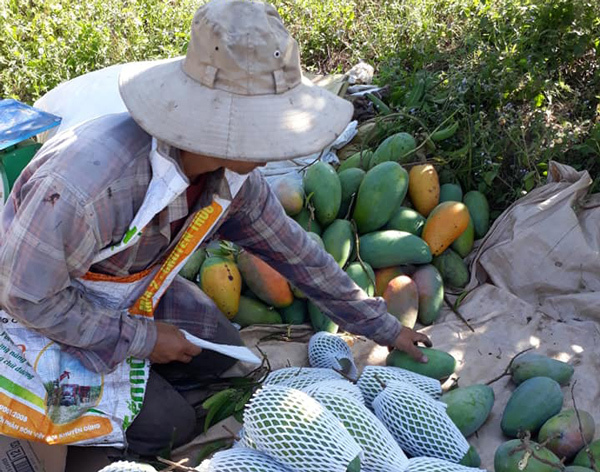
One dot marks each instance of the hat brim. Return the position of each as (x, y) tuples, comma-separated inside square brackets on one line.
[(174, 108)]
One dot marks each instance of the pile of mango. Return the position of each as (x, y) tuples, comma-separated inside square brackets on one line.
[(244, 287), (533, 418), (547, 436), (398, 234)]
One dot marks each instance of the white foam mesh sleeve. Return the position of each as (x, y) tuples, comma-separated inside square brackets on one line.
[(243, 460), (304, 381), (330, 351), (280, 376), (342, 386), (372, 375), (430, 464), (127, 466), (418, 423), (244, 440), (297, 431), (382, 453)]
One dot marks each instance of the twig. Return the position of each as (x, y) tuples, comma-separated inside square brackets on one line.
[(176, 465), (507, 370), (311, 163), (585, 441), (265, 358), (396, 115), (343, 374), (360, 261), (457, 313), (352, 198), (233, 434), (414, 151), (530, 452), (381, 382)]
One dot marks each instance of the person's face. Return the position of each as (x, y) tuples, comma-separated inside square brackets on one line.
[(241, 167), (196, 164)]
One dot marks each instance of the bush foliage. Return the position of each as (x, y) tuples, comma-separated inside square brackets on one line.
[(521, 77)]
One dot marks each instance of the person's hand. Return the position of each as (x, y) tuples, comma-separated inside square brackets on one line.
[(171, 345), (407, 341)]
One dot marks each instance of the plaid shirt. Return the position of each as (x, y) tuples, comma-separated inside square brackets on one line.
[(79, 195)]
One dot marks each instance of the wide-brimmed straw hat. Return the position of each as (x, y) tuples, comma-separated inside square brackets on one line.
[(238, 93)]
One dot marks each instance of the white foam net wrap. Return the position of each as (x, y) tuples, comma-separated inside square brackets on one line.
[(243, 460), (244, 440), (297, 431), (429, 464), (281, 376), (330, 351), (418, 423), (304, 381), (126, 466), (382, 453), (372, 376), (342, 386)]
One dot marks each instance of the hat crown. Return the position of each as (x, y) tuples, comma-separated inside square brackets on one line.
[(242, 47)]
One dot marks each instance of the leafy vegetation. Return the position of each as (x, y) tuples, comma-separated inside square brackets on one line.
[(520, 77)]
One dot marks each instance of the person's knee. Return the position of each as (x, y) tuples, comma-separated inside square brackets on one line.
[(227, 333), (166, 420)]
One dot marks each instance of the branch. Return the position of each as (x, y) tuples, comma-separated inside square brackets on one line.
[(176, 465), (530, 452), (357, 244), (381, 382), (352, 198), (589, 452), (507, 370), (233, 434), (457, 313), (313, 162), (346, 376)]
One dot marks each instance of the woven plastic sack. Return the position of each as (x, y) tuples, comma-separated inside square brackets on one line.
[(370, 381), (299, 432), (126, 466), (382, 453), (330, 351), (289, 374), (342, 386), (429, 464), (242, 460), (419, 424)]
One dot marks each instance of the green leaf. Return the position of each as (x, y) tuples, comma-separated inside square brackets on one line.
[(218, 398), (529, 180), (241, 403)]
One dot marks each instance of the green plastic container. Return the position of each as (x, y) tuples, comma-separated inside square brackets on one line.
[(15, 159), (4, 187)]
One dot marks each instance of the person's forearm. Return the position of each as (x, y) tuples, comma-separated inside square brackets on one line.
[(99, 337)]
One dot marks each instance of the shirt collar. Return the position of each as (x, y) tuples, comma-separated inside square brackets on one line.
[(216, 183)]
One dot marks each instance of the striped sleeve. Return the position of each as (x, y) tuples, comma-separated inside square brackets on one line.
[(49, 239)]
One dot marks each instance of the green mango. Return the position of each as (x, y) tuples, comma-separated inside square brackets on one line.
[(441, 365), (320, 321), (510, 457), (296, 313), (533, 403), (469, 407), (531, 364)]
